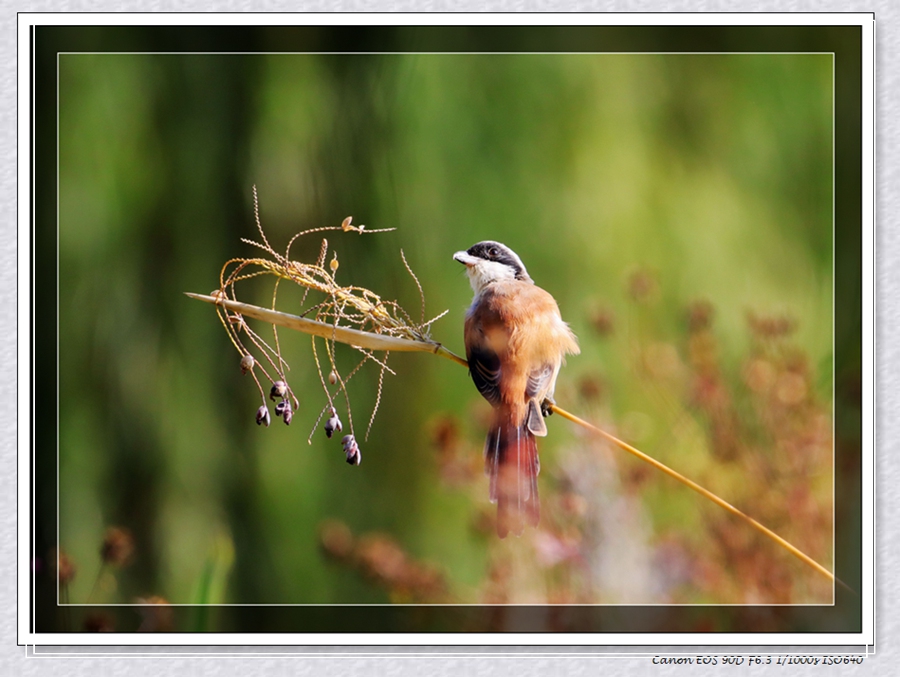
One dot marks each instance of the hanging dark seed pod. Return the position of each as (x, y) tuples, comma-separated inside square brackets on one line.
[(279, 389), (351, 449), (262, 416), (281, 407), (247, 363), (333, 424), (288, 413)]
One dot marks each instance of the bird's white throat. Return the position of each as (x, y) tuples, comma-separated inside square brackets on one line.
[(483, 273)]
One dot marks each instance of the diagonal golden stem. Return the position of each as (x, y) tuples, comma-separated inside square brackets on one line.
[(700, 490), (353, 337)]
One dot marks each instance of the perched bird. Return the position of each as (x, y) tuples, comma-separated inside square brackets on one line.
[(515, 344)]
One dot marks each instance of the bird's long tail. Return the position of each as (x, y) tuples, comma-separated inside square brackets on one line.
[(511, 462)]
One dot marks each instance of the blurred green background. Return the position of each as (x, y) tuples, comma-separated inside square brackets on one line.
[(679, 208)]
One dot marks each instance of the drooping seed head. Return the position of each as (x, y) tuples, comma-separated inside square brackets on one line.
[(333, 424), (118, 547), (279, 389), (351, 449), (65, 568)]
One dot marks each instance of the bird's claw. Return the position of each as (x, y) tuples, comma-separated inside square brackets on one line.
[(546, 407)]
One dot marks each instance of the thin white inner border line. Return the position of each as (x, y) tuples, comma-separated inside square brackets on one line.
[(471, 604), (833, 319)]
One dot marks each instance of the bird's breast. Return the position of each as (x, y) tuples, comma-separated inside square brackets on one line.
[(521, 319)]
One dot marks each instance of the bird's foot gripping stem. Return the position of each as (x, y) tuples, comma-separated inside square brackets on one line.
[(546, 407)]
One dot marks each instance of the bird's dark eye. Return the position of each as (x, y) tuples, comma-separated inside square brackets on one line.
[(493, 252)]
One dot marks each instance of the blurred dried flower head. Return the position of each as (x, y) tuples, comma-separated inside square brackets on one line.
[(572, 505), (445, 433), (591, 387), (636, 476), (703, 352), (552, 549), (63, 566), (425, 581), (700, 315), (98, 622), (497, 583), (642, 286), (457, 462), (157, 614), (603, 320), (381, 558), (336, 539), (791, 389), (118, 547), (661, 360), (771, 326), (483, 521), (760, 375)]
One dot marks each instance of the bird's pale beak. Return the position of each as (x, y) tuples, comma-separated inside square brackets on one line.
[(465, 259)]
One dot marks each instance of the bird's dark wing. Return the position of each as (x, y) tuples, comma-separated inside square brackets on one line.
[(484, 366)]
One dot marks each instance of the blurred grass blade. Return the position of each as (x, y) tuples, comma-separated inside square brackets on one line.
[(210, 587), (202, 595)]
